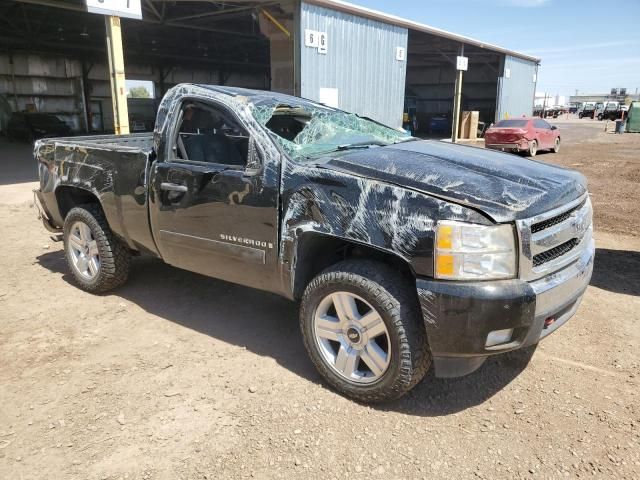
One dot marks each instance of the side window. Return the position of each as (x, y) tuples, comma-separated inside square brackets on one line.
[(210, 134), (541, 124)]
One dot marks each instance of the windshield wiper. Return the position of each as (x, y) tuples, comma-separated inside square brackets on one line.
[(367, 144), (410, 139)]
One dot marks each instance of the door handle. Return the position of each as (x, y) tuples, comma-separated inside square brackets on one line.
[(172, 187)]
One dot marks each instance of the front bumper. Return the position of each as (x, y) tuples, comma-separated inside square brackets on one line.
[(460, 315)]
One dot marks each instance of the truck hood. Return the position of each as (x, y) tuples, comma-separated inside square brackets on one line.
[(504, 187)]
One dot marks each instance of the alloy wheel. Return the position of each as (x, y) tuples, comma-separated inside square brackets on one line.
[(83, 250), (352, 337)]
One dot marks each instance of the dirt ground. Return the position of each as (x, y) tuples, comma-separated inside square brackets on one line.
[(178, 376)]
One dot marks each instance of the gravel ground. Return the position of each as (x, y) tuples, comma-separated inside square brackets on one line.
[(178, 376)]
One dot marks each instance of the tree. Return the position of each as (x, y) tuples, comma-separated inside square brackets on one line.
[(139, 92)]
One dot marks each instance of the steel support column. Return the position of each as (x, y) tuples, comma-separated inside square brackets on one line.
[(457, 100), (116, 75)]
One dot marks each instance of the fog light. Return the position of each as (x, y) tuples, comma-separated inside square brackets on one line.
[(499, 336)]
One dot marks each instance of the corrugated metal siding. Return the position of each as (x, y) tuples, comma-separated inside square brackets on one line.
[(516, 93), (360, 62)]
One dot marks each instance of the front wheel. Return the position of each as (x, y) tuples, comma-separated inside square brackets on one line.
[(98, 260), (362, 327), (556, 145)]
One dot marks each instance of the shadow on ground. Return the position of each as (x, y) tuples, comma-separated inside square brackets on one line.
[(266, 324), (617, 271)]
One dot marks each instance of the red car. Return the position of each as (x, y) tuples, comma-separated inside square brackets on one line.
[(523, 135)]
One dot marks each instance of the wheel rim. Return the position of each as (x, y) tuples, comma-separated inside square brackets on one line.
[(534, 148), (83, 250), (352, 337), (557, 144)]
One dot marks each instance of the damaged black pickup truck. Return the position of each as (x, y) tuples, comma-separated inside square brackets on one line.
[(402, 253)]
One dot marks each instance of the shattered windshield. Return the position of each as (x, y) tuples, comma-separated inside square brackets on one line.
[(307, 129)]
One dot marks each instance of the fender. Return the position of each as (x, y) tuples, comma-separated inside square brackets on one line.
[(391, 219)]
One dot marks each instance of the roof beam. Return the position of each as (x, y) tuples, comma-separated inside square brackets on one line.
[(215, 13), (79, 8), (151, 7), (54, 4)]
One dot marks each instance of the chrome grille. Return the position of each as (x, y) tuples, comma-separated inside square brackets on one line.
[(538, 227), (553, 240), (554, 253)]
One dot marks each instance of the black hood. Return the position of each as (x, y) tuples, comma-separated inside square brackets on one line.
[(504, 187)]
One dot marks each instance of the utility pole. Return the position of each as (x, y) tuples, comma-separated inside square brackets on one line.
[(457, 100), (116, 75)]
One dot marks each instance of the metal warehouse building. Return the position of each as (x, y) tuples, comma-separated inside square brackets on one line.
[(53, 59)]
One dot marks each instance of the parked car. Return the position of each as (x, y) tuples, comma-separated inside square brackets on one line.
[(528, 135), (31, 126), (402, 253), (554, 111), (440, 125)]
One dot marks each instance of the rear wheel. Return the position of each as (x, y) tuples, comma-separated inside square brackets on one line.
[(556, 145), (600, 117), (363, 330), (533, 148), (98, 260)]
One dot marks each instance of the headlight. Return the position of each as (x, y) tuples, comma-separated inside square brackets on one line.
[(466, 251)]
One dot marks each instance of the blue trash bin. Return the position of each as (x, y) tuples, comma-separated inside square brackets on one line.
[(620, 126)]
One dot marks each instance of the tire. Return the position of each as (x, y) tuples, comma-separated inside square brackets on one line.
[(104, 264), (533, 148), (373, 286), (580, 115), (556, 145), (600, 117)]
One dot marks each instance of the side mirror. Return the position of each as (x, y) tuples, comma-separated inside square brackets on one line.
[(553, 127)]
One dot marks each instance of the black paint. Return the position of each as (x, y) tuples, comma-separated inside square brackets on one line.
[(250, 225)]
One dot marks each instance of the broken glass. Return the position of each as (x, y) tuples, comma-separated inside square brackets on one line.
[(309, 129)]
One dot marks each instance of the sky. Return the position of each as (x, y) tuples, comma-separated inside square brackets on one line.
[(129, 84), (585, 45)]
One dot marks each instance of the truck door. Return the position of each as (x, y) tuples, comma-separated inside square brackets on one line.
[(213, 204)]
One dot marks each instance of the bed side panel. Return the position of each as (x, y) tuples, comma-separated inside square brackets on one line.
[(116, 177)]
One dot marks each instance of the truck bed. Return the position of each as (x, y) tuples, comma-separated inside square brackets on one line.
[(110, 168)]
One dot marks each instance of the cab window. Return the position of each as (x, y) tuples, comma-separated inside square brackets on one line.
[(208, 134), (541, 124)]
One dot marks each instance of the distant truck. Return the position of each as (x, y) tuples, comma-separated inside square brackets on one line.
[(608, 111), (587, 110)]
